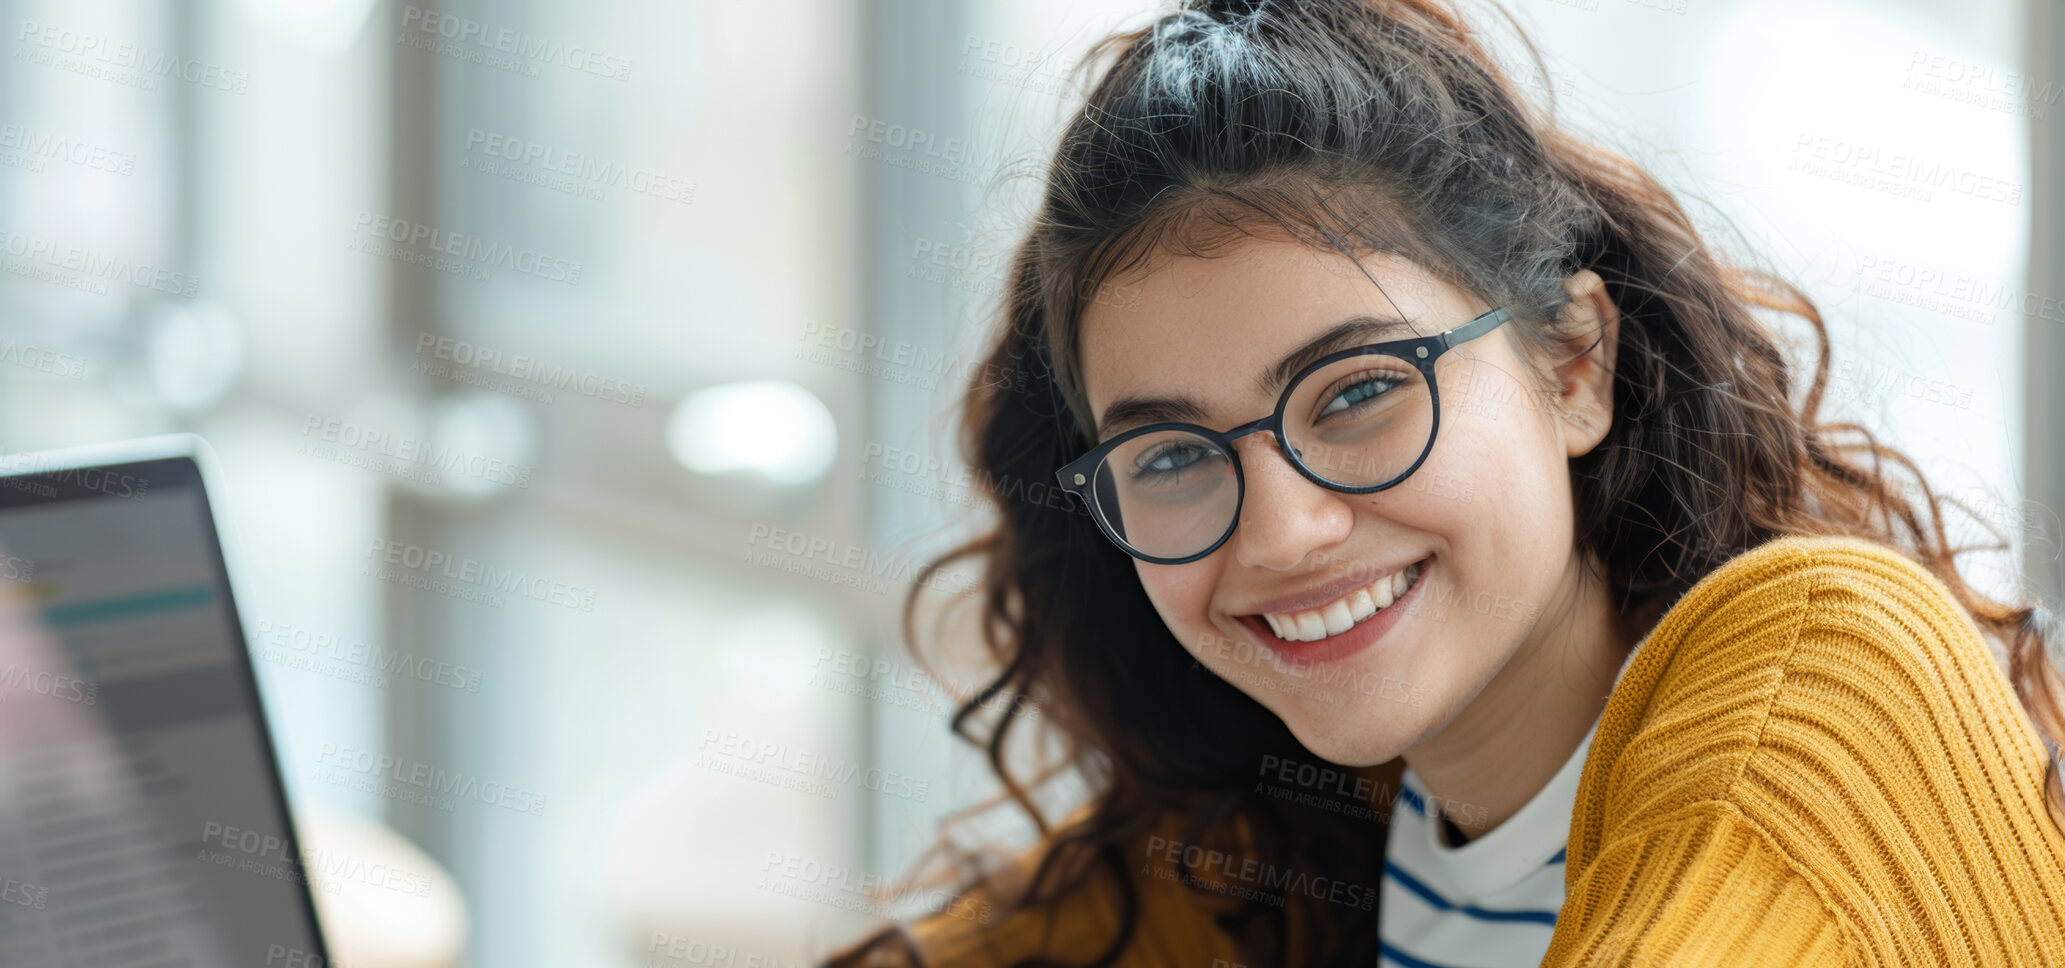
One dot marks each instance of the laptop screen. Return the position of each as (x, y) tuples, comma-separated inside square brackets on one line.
[(141, 816)]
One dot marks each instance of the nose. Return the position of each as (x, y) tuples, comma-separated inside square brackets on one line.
[(1283, 516)]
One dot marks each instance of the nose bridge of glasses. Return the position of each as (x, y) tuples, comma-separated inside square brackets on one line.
[(1258, 426), (1268, 424)]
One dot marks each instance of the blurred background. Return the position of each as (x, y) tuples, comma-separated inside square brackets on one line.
[(662, 308)]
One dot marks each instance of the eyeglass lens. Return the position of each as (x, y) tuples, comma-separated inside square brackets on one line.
[(1357, 422)]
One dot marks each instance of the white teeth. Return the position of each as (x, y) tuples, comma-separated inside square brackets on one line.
[(1345, 612), (1337, 618), (1361, 605)]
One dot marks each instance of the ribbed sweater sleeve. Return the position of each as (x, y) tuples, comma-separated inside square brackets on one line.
[(1813, 759), (1701, 885)]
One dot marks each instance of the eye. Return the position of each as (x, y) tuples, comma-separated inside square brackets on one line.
[(1358, 390), (1171, 458)]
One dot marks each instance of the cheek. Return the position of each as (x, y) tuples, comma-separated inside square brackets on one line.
[(1182, 594), (1501, 470), (1498, 433)]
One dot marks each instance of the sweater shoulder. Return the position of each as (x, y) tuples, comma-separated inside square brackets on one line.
[(1833, 694), (1832, 606), (1800, 635)]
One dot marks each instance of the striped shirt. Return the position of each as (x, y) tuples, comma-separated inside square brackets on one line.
[(1490, 903)]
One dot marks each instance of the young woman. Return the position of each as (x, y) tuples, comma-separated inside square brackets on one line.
[(1461, 574)]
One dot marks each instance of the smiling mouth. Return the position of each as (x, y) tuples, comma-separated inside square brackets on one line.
[(1346, 612)]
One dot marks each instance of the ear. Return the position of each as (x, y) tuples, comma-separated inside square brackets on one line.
[(1583, 390)]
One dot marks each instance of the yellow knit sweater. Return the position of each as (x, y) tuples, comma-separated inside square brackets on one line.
[(1812, 759)]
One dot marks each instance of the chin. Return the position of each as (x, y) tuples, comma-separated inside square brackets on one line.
[(1348, 744)]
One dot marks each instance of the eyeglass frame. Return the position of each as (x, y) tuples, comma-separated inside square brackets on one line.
[(1076, 476)]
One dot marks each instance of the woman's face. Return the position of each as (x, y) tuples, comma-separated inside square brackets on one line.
[(1485, 522)]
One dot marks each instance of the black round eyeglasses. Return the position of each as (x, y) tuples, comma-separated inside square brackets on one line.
[(1356, 421)]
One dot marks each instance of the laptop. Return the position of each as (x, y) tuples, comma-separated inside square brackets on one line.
[(142, 817)]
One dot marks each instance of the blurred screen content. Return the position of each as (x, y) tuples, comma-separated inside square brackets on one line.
[(141, 822)]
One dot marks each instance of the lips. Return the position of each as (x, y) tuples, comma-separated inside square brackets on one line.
[(1358, 636), (1344, 612)]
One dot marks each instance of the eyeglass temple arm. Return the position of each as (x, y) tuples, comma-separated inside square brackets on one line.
[(1474, 328)]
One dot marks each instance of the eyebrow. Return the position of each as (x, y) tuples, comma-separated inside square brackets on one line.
[(1132, 411)]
